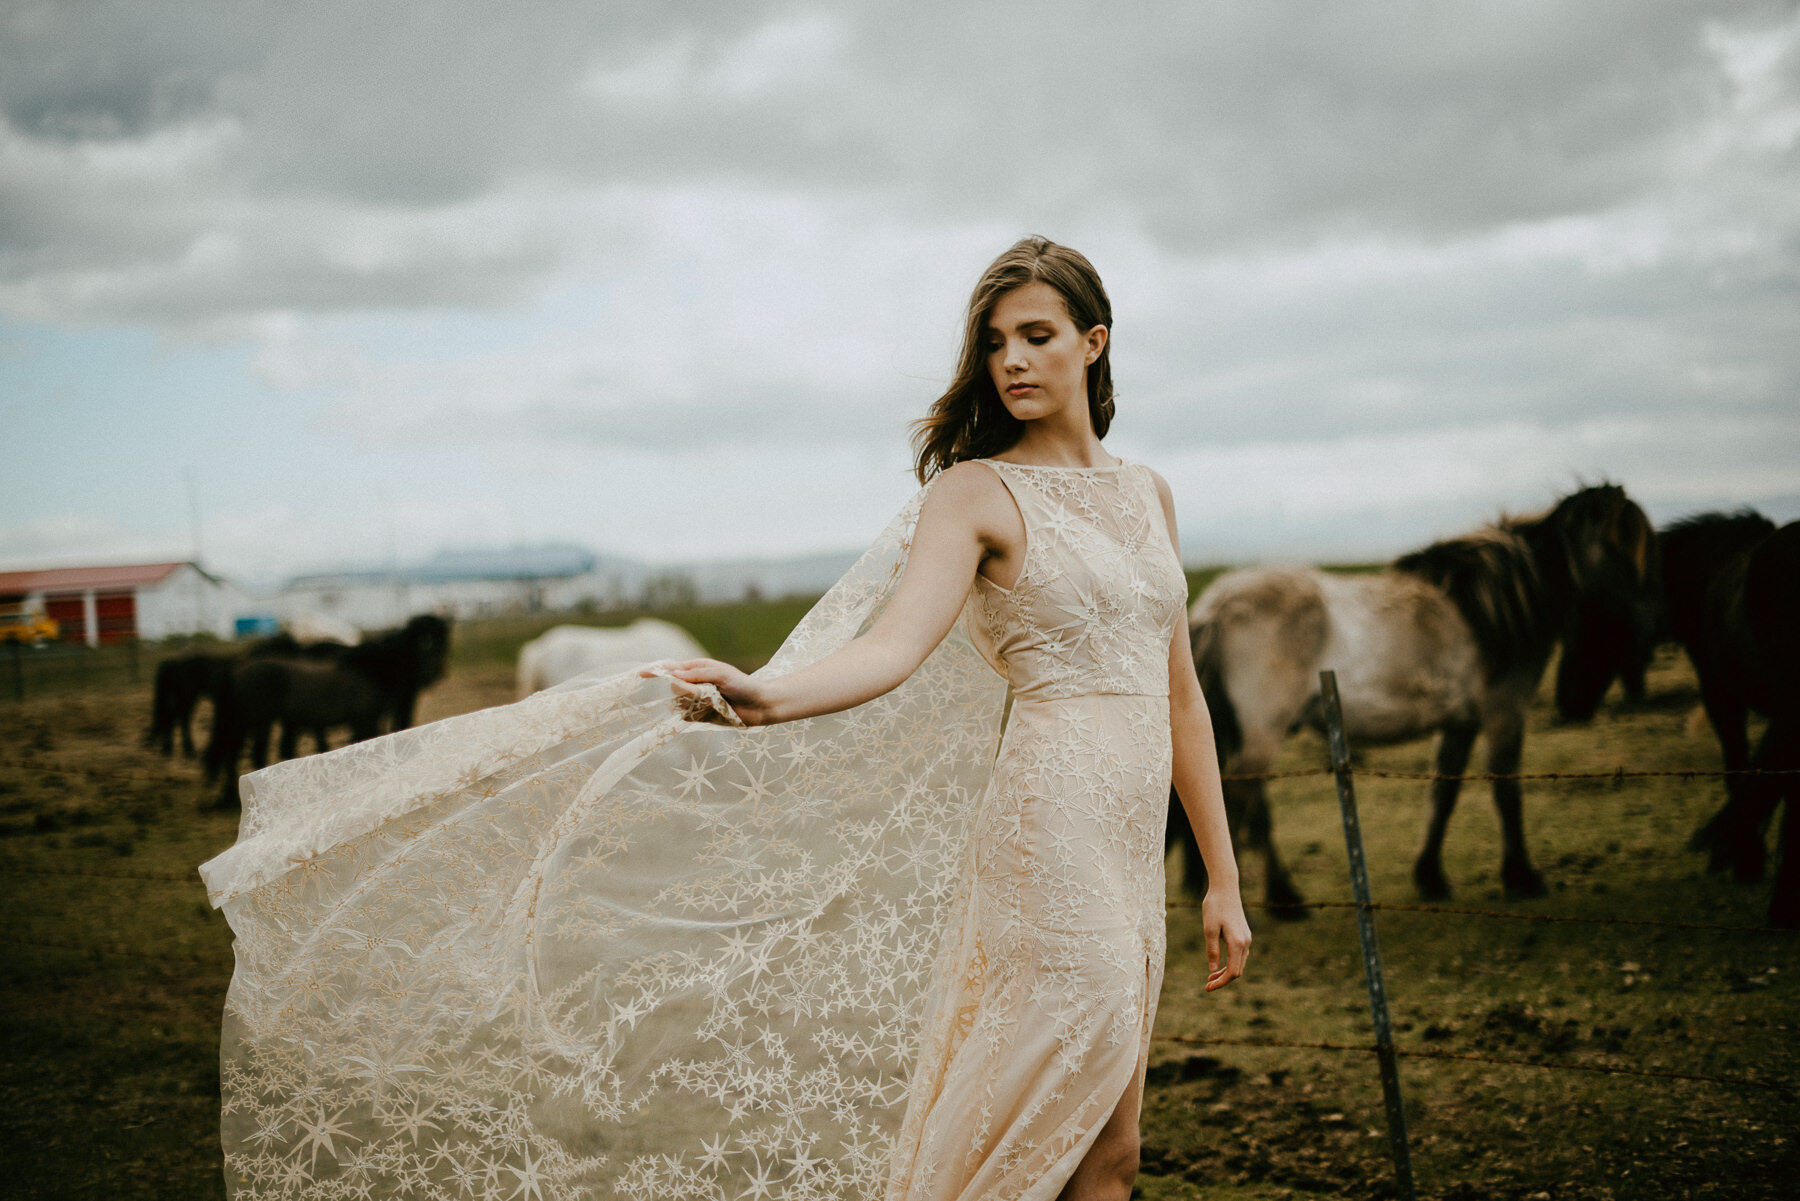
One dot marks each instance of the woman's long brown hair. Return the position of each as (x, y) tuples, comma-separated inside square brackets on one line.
[(969, 421)]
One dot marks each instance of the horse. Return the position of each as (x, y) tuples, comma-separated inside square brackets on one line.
[(1452, 638), (183, 681), (180, 684), (562, 653), (1618, 629), (301, 694), (365, 687), (402, 663), (1733, 587)]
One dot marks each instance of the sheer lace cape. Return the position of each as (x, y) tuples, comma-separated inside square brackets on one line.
[(578, 946)]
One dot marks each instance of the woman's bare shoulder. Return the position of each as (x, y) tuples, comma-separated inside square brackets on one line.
[(969, 482), (1162, 486), (971, 495)]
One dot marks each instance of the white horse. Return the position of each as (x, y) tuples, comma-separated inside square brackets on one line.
[(562, 653)]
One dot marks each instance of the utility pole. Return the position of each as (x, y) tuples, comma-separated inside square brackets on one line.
[(193, 491)]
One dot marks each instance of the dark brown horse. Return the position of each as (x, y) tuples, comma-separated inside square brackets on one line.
[(1453, 638), (364, 687), (181, 684), (1733, 588)]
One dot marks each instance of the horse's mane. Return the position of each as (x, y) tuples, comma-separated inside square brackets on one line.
[(1744, 520), (1491, 576), (1694, 549), (1513, 579)]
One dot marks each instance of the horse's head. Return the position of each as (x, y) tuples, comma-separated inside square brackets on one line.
[(430, 638), (1695, 549), (1613, 571)]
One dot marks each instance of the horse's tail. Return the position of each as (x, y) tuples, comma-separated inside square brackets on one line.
[(1209, 662)]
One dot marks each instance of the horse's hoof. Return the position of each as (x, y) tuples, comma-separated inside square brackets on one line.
[(1524, 882), (1784, 913), (1431, 882)]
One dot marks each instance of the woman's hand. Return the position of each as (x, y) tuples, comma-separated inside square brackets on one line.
[(746, 695), (1222, 915)]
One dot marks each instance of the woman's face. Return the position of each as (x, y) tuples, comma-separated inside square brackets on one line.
[(1036, 357)]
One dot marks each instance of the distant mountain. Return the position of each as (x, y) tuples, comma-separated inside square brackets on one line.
[(613, 575)]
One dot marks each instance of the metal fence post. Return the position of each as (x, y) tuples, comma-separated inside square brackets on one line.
[(1365, 926)]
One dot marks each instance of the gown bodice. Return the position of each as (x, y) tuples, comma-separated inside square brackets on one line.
[(1099, 593)]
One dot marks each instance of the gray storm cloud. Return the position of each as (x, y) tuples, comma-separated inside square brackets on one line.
[(701, 225)]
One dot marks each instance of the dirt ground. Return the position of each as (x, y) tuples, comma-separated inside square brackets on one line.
[(114, 972)]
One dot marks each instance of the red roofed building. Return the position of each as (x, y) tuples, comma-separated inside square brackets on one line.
[(101, 605)]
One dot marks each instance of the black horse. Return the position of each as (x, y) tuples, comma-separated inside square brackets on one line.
[(1733, 586), (1614, 628), (180, 685), (364, 687), (403, 663), (182, 682), (1453, 638)]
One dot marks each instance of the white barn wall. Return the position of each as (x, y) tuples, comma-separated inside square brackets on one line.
[(188, 602)]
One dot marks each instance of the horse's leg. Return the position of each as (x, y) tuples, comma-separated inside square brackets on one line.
[(1725, 835), (1743, 833), (1504, 734), (1285, 900), (1775, 754), (290, 739), (1453, 747), (180, 716), (1247, 809), (224, 748), (1180, 833)]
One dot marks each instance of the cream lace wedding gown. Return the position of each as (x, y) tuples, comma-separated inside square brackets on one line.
[(580, 947)]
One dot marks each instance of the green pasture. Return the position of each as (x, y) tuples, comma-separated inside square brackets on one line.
[(114, 970)]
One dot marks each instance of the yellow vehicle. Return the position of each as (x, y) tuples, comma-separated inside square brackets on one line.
[(26, 622)]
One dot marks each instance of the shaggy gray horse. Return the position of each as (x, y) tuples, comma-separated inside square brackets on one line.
[(1453, 638)]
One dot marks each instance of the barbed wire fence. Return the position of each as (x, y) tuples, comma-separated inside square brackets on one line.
[(1383, 1047)]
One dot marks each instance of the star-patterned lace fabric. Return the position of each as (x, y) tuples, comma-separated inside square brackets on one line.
[(1042, 1013), (580, 946)]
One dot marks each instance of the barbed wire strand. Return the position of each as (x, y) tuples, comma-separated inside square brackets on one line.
[(1470, 1057), (1451, 910), (1503, 913), (1183, 1039), (162, 877), (111, 773), (1619, 773), (1615, 774), (156, 956)]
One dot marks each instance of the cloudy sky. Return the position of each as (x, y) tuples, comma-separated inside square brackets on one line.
[(670, 280)]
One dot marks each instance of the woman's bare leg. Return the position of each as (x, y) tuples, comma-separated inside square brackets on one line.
[(1109, 1169)]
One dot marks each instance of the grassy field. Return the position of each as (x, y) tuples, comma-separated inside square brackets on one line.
[(114, 972)]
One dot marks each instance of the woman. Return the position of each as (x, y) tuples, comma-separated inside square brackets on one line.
[(844, 951), (1017, 441)]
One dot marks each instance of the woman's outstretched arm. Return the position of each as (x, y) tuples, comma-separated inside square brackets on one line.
[(964, 519), (1197, 783)]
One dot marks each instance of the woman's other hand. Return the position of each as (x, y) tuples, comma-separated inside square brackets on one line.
[(1222, 914), (744, 693)]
